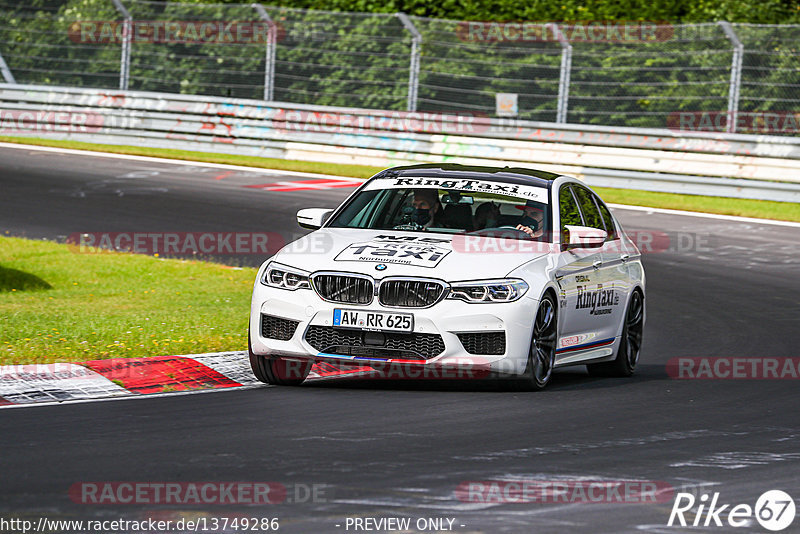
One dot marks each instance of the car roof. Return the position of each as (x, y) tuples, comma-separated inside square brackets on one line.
[(510, 175)]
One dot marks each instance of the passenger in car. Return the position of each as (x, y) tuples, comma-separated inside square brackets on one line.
[(487, 215), (457, 214)]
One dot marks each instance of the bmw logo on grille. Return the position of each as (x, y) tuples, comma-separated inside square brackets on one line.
[(380, 267)]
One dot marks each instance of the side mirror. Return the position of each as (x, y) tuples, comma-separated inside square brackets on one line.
[(313, 218), (582, 237)]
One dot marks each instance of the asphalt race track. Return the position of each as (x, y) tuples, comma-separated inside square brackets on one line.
[(377, 449)]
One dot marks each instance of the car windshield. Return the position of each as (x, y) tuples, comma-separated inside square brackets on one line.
[(475, 209)]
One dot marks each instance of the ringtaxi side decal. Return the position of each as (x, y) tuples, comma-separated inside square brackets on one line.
[(418, 254), (539, 194), (598, 301)]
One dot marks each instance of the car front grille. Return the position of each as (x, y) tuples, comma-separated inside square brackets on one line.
[(343, 288), (488, 343), (395, 345), (277, 328), (410, 293)]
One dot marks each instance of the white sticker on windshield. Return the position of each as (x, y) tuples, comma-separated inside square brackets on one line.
[(527, 192), (416, 254)]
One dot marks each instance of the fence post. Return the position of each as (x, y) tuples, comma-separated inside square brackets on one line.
[(269, 52), (736, 75), (413, 75), (563, 75), (127, 38), (5, 71)]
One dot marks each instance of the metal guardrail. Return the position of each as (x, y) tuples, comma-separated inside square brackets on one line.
[(733, 165)]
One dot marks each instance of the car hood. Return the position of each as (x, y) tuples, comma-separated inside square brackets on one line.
[(380, 253)]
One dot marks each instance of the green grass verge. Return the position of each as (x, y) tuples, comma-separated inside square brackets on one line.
[(58, 305), (764, 209), (785, 211)]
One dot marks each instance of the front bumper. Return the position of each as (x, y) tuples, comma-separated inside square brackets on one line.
[(435, 340)]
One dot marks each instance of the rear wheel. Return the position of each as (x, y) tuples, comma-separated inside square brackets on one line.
[(630, 343), (278, 371), (542, 352)]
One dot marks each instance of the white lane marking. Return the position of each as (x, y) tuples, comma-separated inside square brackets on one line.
[(274, 172), (677, 435), (90, 153), (737, 460), (306, 185), (705, 215)]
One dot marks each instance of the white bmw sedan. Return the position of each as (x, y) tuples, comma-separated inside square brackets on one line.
[(445, 270)]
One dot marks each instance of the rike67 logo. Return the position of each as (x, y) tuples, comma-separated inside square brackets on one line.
[(774, 510)]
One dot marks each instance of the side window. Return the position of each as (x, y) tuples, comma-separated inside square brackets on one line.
[(610, 228), (568, 208), (392, 210), (589, 209)]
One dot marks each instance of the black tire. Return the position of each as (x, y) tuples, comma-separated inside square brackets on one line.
[(278, 371), (630, 344), (542, 352)]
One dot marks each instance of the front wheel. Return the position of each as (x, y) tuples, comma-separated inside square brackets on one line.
[(542, 352), (278, 371), (630, 343)]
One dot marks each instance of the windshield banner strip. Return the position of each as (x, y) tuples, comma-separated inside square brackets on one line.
[(527, 192)]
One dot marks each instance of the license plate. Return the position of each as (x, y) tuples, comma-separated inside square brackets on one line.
[(372, 320)]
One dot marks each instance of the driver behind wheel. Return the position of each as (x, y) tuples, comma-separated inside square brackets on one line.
[(532, 220), (427, 208)]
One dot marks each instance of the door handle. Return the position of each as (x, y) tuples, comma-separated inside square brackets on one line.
[(597, 264), (625, 257)]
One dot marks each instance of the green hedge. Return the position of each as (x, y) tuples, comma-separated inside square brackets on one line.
[(753, 11)]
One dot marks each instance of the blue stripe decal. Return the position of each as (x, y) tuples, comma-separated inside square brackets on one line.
[(588, 345), (342, 357), (368, 359), (325, 355)]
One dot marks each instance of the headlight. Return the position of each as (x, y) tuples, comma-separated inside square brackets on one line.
[(506, 290), (284, 277)]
